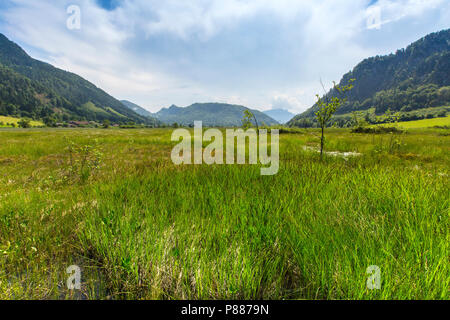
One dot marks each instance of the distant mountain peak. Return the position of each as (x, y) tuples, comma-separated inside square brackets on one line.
[(211, 114), (279, 114), (12, 53)]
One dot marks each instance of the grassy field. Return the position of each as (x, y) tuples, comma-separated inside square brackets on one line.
[(112, 202), (6, 120), (425, 123), (435, 112)]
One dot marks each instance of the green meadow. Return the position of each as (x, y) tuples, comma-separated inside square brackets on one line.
[(6, 122), (425, 123), (112, 202)]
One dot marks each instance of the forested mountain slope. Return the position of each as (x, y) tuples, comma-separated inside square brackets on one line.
[(414, 78), (31, 88)]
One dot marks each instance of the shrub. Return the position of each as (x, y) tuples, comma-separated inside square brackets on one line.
[(24, 123), (84, 160), (106, 124), (442, 114), (377, 130)]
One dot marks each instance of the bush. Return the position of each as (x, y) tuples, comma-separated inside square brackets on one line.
[(49, 122), (84, 161), (284, 130), (377, 130), (442, 114), (24, 123)]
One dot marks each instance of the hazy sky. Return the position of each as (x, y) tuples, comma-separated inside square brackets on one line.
[(258, 53)]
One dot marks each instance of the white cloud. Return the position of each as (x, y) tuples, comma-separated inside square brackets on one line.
[(259, 53), (392, 11)]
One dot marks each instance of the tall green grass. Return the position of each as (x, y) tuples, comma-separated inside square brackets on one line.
[(141, 227)]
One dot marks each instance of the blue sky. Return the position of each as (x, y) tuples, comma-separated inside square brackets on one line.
[(260, 53), (109, 4)]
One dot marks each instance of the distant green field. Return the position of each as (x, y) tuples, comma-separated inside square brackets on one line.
[(6, 120), (425, 123), (112, 202), (419, 112)]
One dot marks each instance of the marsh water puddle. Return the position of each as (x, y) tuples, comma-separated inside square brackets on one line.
[(333, 153), (93, 283)]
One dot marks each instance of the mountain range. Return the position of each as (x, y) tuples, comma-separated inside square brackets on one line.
[(211, 114), (35, 89), (32, 88), (280, 115), (414, 78)]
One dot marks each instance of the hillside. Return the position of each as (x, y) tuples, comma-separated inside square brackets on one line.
[(212, 114), (280, 115), (31, 88), (11, 121), (411, 79)]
